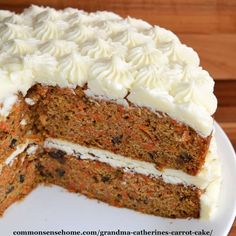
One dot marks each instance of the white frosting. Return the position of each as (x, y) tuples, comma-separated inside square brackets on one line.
[(162, 37), (29, 101), (14, 19), (20, 46), (13, 31), (180, 53), (43, 67), (79, 18), (45, 30), (120, 57), (138, 24), (32, 11), (19, 149), (110, 28), (151, 77), (79, 33), (4, 14), (209, 200), (58, 48), (73, 70), (110, 77), (195, 88), (7, 104), (69, 11), (48, 14), (32, 149), (97, 48), (105, 16), (146, 54), (208, 179), (130, 38)]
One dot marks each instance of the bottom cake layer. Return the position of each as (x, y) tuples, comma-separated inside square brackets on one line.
[(17, 180), (118, 188)]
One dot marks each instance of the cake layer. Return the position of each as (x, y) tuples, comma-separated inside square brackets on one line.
[(14, 127), (118, 188), (127, 130), (17, 180)]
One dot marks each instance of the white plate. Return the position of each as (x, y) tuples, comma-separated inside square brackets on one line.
[(52, 208)]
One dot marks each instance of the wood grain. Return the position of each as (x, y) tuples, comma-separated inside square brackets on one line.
[(217, 53), (196, 16)]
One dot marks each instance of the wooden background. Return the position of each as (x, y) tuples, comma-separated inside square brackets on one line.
[(209, 26)]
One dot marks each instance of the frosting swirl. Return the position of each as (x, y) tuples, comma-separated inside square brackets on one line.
[(13, 19), (18, 73), (43, 67), (33, 10), (106, 16), (130, 38), (57, 47), (144, 55), (20, 46), (48, 14), (10, 31), (79, 33), (79, 18), (97, 48), (110, 77), (150, 77), (162, 37), (198, 89), (69, 11), (45, 30), (4, 14), (7, 87), (180, 53), (110, 28), (73, 70), (138, 24)]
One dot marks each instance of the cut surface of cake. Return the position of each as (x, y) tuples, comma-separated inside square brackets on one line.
[(110, 107)]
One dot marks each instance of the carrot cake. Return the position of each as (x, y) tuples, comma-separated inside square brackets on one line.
[(110, 107)]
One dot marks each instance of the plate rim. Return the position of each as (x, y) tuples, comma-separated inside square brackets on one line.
[(231, 149)]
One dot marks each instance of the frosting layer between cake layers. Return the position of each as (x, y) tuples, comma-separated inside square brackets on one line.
[(116, 58)]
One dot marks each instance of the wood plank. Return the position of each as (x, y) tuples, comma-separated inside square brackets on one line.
[(230, 130), (216, 51), (195, 16), (225, 91), (225, 114)]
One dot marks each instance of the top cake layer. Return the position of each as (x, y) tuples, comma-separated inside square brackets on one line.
[(117, 58)]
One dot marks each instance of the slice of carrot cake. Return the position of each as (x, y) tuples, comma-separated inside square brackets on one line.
[(110, 107)]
